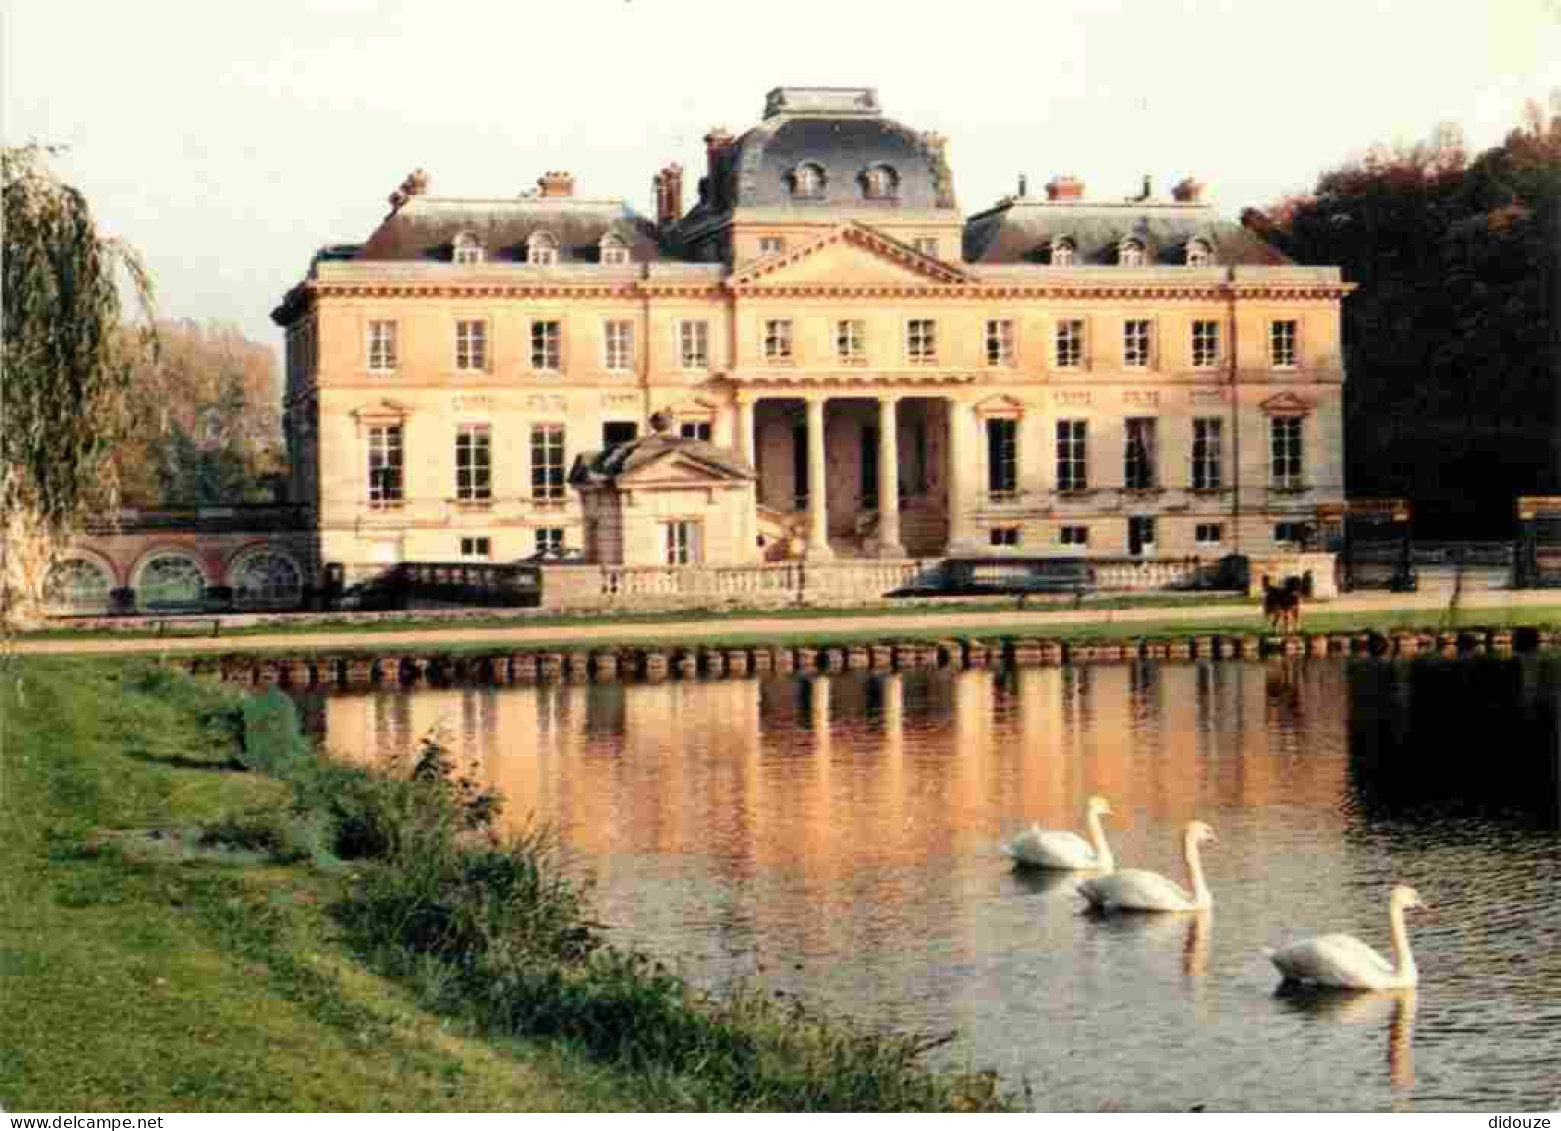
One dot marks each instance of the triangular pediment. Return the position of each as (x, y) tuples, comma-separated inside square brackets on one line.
[(849, 254), (1286, 402), (382, 409), (676, 469), (1000, 405)]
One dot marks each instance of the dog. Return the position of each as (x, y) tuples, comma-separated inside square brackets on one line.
[(1282, 605)]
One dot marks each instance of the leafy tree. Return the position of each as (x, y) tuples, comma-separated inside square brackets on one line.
[(67, 364), (1451, 340)]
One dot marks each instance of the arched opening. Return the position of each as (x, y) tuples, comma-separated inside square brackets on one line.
[(169, 580), (265, 579), (77, 587)]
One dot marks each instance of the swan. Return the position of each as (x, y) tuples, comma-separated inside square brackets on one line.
[(1344, 962), (1040, 848), (1133, 889)]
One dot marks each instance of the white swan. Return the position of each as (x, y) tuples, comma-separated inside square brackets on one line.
[(1133, 889), (1041, 848), (1344, 962)]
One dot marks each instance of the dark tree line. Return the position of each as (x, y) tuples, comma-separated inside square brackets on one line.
[(1453, 339)]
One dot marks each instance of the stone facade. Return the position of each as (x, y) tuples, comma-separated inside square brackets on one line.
[(1112, 379)]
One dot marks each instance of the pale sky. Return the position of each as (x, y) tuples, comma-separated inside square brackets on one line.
[(227, 141)]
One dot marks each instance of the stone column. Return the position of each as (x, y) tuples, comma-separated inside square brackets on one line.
[(745, 444), (889, 544), (749, 530), (818, 495), (961, 458)]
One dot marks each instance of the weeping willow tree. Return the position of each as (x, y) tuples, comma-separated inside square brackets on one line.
[(65, 371)]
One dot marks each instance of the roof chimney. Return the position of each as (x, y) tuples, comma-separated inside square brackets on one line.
[(716, 142), (556, 184), (1065, 188), (668, 187), (1024, 186), (1187, 191)]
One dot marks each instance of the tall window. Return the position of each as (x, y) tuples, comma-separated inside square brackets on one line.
[(921, 341), (473, 463), (1281, 343), (999, 341), (471, 344), (1070, 343), (682, 543), (1138, 463), (547, 345), (1284, 434), (1072, 455), (382, 346), (851, 341), (777, 339), (1205, 343), (1140, 534), (615, 432), (1206, 471), (694, 345), (880, 183), (618, 344), (547, 462), (807, 181), (1002, 459), (549, 539), (385, 456), (1135, 343)]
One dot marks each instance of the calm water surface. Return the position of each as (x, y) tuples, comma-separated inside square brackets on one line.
[(836, 837)]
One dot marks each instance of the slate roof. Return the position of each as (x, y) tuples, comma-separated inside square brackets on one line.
[(424, 229), (592, 469), (1022, 231)]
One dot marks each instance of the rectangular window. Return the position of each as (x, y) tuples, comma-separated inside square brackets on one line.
[(1205, 343), (618, 344), (682, 542), (771, 245), (1285, 466), (927, 245), (385, 462), (1072, 455), (1004, 535), (1002, 459), (1138, 454), (550, 539), (547, 462), (615, 432), (1295, 532), (1135, 343), (777, 339), (547, 345), (694, 345), (1281, 343), (476, 548), (471, 344), (382, 346), (695, 430), (473, 463), (851, 341), (1140, 535), (1206, 443), (1070, 344), (1073, 536), (999, 341), (1209, 534), (921, 341)]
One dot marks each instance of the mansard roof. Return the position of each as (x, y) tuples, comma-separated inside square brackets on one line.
[(1022, 230), (424, 228), (595, 469)]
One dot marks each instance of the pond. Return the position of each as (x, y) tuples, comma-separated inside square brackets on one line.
[(838, 837)]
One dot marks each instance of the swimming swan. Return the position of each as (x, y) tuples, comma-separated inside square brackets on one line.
[(1133, 889), (1039, 848), (1344, 962)]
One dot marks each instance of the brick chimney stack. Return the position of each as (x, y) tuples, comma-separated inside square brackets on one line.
[(556, 184), (716, 143), (668, 187), (1188, 191), (1065, 188)]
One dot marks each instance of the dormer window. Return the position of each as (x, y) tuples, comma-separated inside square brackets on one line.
[(1130, 253), (880, 182), (807, 181), (615, 253), (1199, 254), (468, 248), (541, 250), (1064, 253)]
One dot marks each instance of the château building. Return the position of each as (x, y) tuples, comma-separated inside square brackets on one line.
[(860, 369)]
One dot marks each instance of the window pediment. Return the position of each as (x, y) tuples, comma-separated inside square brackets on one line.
[(384, 411), (1000, 407), (1286, 404)]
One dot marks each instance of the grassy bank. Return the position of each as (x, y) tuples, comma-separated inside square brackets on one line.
[(302, 934)]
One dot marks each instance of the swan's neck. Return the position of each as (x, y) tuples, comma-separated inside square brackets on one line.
[(1403, 957), (1097, 837), (1200, 890)]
